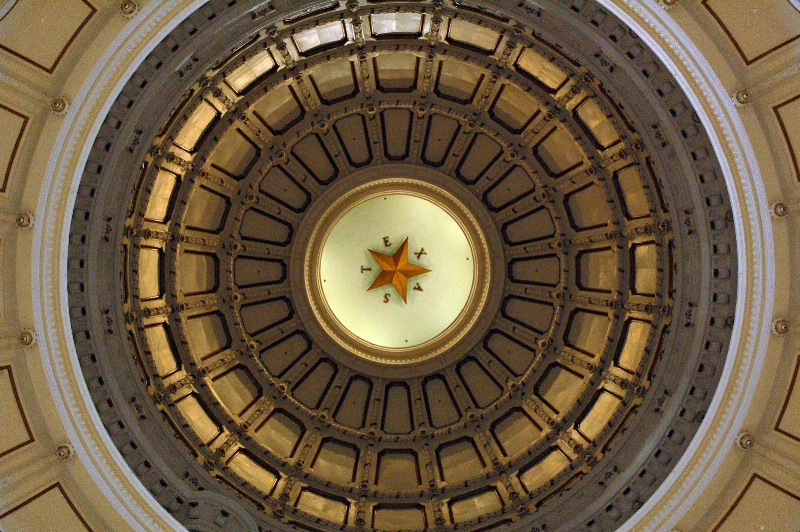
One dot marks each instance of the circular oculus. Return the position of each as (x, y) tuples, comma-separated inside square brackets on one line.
[(397, 270)]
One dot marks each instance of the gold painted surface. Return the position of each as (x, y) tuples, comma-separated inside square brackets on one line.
[(396, 270)]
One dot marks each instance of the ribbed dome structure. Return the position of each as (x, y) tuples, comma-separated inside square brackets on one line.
[(609, 267)]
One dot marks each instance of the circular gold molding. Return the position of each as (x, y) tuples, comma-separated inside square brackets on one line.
[(466, 318)]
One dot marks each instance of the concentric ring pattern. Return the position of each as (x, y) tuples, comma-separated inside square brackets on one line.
[(594, 367)]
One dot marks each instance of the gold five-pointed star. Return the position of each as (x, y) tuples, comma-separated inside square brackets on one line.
[(396, 270)]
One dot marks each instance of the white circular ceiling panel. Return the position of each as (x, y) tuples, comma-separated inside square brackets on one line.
[(396, 270)]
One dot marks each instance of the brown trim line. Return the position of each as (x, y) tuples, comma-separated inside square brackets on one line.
[(746, 60), (786, 404), (31, 439), (744, 491), (785, 132), (52, 68), (63, 494), (16, 145), (9, 10)]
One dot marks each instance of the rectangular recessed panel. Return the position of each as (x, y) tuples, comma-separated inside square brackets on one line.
[(559, 387), (249, 272), (442, 407), (481, 386), (597, 124), (439, 139), (151, 271), (597, 270), (250, 71), (530, 313), (50, 510), (280, 186), (644, 262), (352, 409), (353, 135), (312, 387), (322, 36), (558, 152), (540, 69), (587, 208), (396, 24), (387, 517), (634, 340), (472, 35), (543, 469), (254, 472), (481, 153), (199, 122), (544, 270), (396, 126), (280, 433), (237, 389), (515, 432), (458, 81), (279, 109), (586, 331), (159, 205), (314, 157), (263, 315), (515, 185), (336, 461), (261, 226), (630, 189), (529, 227), (510, 352), (333, 510), (235, 155), (162, 349), (335, 81), (396, 72), (459, 461), (12, 127), (597, 415), (16, 432), (397, 416), (199, 273), (475, 506), (398, 470), (207, 334), (282, 355), (207, 211), (514, 108), (197, 416)]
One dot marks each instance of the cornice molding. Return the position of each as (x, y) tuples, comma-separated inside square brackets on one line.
[(756, 281), (136, 507)]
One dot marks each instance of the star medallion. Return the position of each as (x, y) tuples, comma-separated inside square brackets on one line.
[(396, 270)]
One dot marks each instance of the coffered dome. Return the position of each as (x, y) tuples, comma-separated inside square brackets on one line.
[(229, 318)]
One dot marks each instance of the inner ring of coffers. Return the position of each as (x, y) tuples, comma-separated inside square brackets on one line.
[(451, 334)]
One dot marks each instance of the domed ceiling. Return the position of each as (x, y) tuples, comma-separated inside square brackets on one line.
[(256, 384)]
